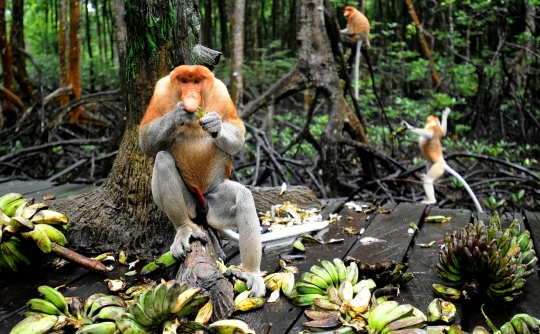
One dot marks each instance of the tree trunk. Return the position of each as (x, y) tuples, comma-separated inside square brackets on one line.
[(223, 19), (62, 49), (316, 68), (74, 56), (237, 89), (26, 92), (7, 67)]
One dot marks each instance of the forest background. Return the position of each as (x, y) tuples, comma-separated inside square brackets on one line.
[(63, 104)]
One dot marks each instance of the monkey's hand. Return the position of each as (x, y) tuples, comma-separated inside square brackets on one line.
[(181, 115), (406, 125), (181, 244), (446, 112), (211, 122), (254, 281)]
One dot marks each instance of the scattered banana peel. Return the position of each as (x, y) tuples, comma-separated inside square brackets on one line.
[(428, 245), (440, 310), (437, 219), (116, 284), (288, 214)]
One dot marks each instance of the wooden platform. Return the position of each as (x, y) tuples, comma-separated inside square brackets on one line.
[(283, 316)]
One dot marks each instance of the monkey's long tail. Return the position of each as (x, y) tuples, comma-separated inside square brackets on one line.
[(466, 185)]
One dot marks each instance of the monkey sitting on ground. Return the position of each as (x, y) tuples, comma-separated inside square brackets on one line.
[(193, 163), (430, 146)]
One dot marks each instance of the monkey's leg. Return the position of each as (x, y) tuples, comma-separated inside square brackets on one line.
[(434, 172), (231, 206), (174, 198)]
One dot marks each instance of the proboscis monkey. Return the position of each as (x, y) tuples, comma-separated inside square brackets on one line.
[(357, 32), (430, 146), (193, 163)]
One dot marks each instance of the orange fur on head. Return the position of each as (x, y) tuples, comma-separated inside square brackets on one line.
[(357, 23)]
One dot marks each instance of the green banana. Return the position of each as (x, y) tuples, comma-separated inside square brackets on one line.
[(166, 260), (331, 270), (22, 207), (184, 298), (140, 316), (378, 312), (11, 244), (315, 280), (369, 283), (352, 273), (35, 323), (306, 300), (49, 217), (10, 209), (230, 326), (341, 269), (322, 274), (287, 284), (105, 301), (395, 313), (174, 289), (41, 239), (308, 288), (99, 328), (402, 323), (54, 234), (325, 304), (193, 306), (7, 199), (109, 313), (7, 257), (128, 326), (145, 300), (158, 296), (445, 292), (43, 306), (55, 297), (90, 300)]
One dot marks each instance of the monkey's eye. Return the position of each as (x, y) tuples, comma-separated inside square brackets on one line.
[(184, 81), (197, 81)]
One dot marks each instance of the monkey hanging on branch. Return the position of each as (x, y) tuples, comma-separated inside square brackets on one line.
[(192, 129), (431, 148)]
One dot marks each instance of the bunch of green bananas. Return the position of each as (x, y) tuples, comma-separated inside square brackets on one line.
[(21, 217), (317, 282), (520, 323), (390, 316), (157, 308), (494, 259)]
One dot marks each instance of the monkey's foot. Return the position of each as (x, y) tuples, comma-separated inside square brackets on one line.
[(255, 283), (181, 244), (429, 201)]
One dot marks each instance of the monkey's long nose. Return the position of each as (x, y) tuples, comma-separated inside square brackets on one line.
[(191, 103)]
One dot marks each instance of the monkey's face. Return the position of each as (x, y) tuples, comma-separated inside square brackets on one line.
[(348, 11), (191, 81), (432, 121)]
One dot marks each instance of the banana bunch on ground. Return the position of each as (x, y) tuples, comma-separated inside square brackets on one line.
[(390, 316), (276, 282), (317, 282), (21, 217), (493, 259), (520, 323), (156, 309)]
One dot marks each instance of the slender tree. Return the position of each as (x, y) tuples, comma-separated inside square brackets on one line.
[(237, 90), (74, 55), (62, 48), (7, 67)]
